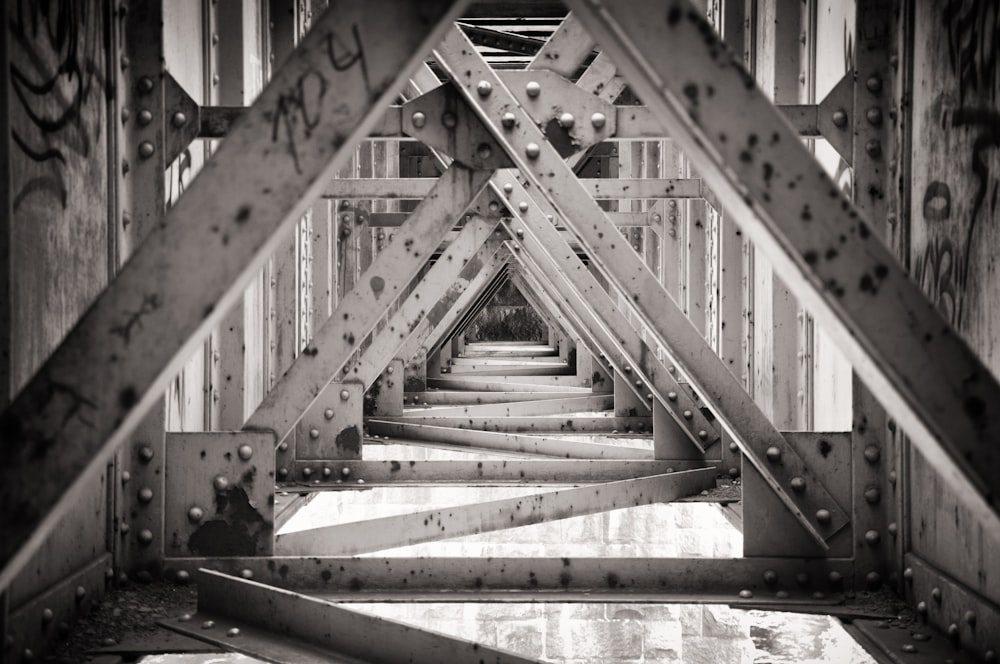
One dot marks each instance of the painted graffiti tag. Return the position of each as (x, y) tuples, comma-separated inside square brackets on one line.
[(56, 77), (973, 30), (300, 108)]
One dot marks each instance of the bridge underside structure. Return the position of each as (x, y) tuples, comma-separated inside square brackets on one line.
[(707, 211)]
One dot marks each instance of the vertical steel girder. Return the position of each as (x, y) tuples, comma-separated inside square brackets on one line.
[(111, 367), (826, 252), (337, 340), (814, 509)]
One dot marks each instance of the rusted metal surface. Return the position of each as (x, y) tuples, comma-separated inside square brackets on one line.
[(827, 253), (719, 579), (969, 619), (815, 510), (219, 488), (104, 376)]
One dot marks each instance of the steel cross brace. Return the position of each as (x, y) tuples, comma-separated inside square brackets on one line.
[(113, 365), (675, 400), (447, 310), (337, 340), (597, 343), (820, 245), (813, 507), (620, 343), (429, 525), (447, 279)]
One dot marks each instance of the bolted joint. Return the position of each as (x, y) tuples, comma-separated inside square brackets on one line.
[(508, 120), (873, 148), (533, 89), (840, 118), (484, 88), (419, 120), (178, 119), (146, 149), (874, 84), (874, 116)]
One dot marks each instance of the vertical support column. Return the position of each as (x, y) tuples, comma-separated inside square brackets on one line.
[(775, 310), (673, 221), (627, 404), (141, 200), (389, 401), (873, 449)]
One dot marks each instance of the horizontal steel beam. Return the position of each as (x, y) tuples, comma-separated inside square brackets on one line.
[(651, 219), (828, 255), (176, 287), (543, 406), (487, 471), (540, 579), (351, 538), (599, 188), (460, 397), (545, 446), (531, 424)]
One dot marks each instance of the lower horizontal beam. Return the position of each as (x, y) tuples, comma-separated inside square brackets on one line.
[(471, 519), (526, 383), (506, 471), (535, 424), (600, 188), (550, 578), (510, 442), (597, 402), (471, 397), (282, 626)]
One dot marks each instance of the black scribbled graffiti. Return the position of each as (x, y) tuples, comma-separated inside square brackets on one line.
[(56, 79), (938, 272), (150, 303), (973, 29), (299, 108)]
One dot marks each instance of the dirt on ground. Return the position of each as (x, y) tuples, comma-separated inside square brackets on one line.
[(125, 615)]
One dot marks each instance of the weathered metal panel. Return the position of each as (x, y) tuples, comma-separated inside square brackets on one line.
[(57, 175), (953, 235)]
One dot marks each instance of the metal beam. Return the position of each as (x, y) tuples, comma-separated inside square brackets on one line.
[(620, 343), (823, 249), (446, 310), (599, 188), (282, 626), (528, 408), (462, 257), (344, 539), (113, 365), (511, 442), (540, 579), (491, 471), (341, 336), (815, 509)]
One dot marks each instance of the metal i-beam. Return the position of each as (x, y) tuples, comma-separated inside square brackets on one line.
[(111, 368), (814, 508), (823, 249), (341, 336), (470, 519)]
